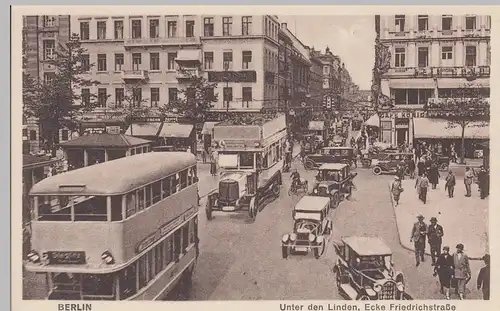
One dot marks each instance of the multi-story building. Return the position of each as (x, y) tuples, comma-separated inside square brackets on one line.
[(151, 57), (316, 79), (432, 56), (42, 36)]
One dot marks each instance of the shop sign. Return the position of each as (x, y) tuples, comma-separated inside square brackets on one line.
[(113, 129), (66, 258), (398, 114), (95, 130)]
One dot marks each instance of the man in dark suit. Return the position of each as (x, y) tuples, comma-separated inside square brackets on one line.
[(435, 237), (483, 279), (418, 234)]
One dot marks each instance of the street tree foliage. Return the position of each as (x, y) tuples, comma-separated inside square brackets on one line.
[(193, 101), (467, 107), (56, 101), (381, 66), (133, 105)]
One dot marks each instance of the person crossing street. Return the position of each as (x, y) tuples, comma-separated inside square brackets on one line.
[(444, 268)]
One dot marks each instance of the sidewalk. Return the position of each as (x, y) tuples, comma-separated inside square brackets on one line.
[(464, 220)]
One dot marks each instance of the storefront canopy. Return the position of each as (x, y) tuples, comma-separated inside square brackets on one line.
[(144, 129), (207, 128), (176, 130), (440, 128), (373, 121), (105, 141)]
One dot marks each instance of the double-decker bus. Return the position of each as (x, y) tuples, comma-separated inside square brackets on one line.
[(126, 229)]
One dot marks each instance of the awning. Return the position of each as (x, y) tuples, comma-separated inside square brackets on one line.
[(143, 129), (207, 128), (176, 130), (439, 128), (450, 83), (188, 56), (373, 121), (316, 125), (412, 84)]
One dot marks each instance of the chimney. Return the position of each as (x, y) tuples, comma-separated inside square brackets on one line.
[(283, 26)]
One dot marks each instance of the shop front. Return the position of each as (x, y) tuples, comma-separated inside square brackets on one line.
[(178, 137), (396, 127)]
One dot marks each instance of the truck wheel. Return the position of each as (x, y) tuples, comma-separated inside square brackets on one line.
[(208, 209), (377, 170), (284, 251)]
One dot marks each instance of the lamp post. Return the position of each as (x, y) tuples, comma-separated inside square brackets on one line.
[(226, 77)]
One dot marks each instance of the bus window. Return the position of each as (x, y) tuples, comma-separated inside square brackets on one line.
[(148, 199), (175, 183), (50, 208), (91, 209), (128, 278), (167, 252), (150, 265), (177, 245), (140, 199), (142, 271), (156, 188), (116, 208), (165, 186), (185, 237), (158, 256), (265, 160), (193, 230), (98, 285), (131, 204), (246, 159), (183, 178)]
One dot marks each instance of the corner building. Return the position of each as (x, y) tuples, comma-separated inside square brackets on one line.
[(431, 57), (240, 53)]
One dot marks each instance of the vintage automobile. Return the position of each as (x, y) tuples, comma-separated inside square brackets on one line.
[(334, 180), (389, 163), (365, 271), (329, 155), (312, 227)]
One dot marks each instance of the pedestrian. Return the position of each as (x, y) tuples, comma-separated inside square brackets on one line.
[(435, 234), (400, 170), (418, 234), (421, 166), (468, 179), (423, 185), (483, 181), (450, 183), (411, 167), (444, 268), (204, 155), (483, 278), (462, 270), (213, 163), (434, 175), (396, 189)]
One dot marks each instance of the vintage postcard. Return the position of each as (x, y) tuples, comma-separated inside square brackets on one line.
[(252, 153)]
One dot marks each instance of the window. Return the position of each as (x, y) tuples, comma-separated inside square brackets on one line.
[(85, 97), (470, 56), (174, 184), (189, 29), (119, 96), (423, 57), (446, 52), (171, 61), (470, 22), (412, 96), (118, 29), (423, 22), (84, 31), (228, 94), (165, 187), (400, 23), (210, 93), (148, 198), (140, 199), (246, 25), (227, 25), (85, 62), (102, 96), (399, 57), (101, 62), (49, 47), (190, 96), (154, 28), (247, 59), (156, 190), (446, 22), (154, 61), (119, 60), (172, 94), (247, 95), (48, 77), (155, 96), (185, 237), (172, 29), (208, 26), (128, 284), (326, 70), (64, 135), (137, 97), (208, 62), (49, 21), (136, 29), (101, 30), (136, 61), (33, 135), (227, 58)]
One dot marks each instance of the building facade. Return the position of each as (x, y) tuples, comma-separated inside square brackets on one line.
[(316, 79), (150, 58), (432, 56), (42, 36)]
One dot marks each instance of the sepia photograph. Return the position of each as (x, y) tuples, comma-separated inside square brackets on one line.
[(199, 157)]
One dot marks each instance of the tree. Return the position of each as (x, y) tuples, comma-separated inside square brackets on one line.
[(467, 107), (55, 101), (194, 101), (133, 105), (29, 84)]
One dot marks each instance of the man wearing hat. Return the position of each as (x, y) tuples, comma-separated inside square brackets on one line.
[(444, 268), (462, 270), (435, 237), (483, 279), (418, 234)]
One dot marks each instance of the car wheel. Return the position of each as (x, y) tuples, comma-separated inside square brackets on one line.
[(208, 209), (308, 165), (276, 189), (443, 166), (252, 209), (363, 297), (318, 251), (377, 170), (284, 251)]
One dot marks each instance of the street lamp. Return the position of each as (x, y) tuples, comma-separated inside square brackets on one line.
[(226, 77)]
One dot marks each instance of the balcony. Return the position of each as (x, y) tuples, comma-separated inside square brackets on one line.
[(470, 73), (135, 75), (423, 34), (474, 106), (188, 73), (174, 41)]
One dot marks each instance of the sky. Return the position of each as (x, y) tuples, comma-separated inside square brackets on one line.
[(350, 37)]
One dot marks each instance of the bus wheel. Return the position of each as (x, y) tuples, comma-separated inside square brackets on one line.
[(252, 209), (208, 209)]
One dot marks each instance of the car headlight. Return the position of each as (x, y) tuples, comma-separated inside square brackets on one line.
[(312, 237), (377, 287), (400, 286), (285, 238), (293, 237), (315, 191)]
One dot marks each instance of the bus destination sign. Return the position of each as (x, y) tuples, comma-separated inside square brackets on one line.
[(66, 258)]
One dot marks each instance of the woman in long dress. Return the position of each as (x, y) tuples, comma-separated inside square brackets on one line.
[(444, 269)]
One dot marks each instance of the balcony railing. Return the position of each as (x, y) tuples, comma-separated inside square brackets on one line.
[(188, 73), (473, 106), (441, 72), (162, 41), (135, 75)]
